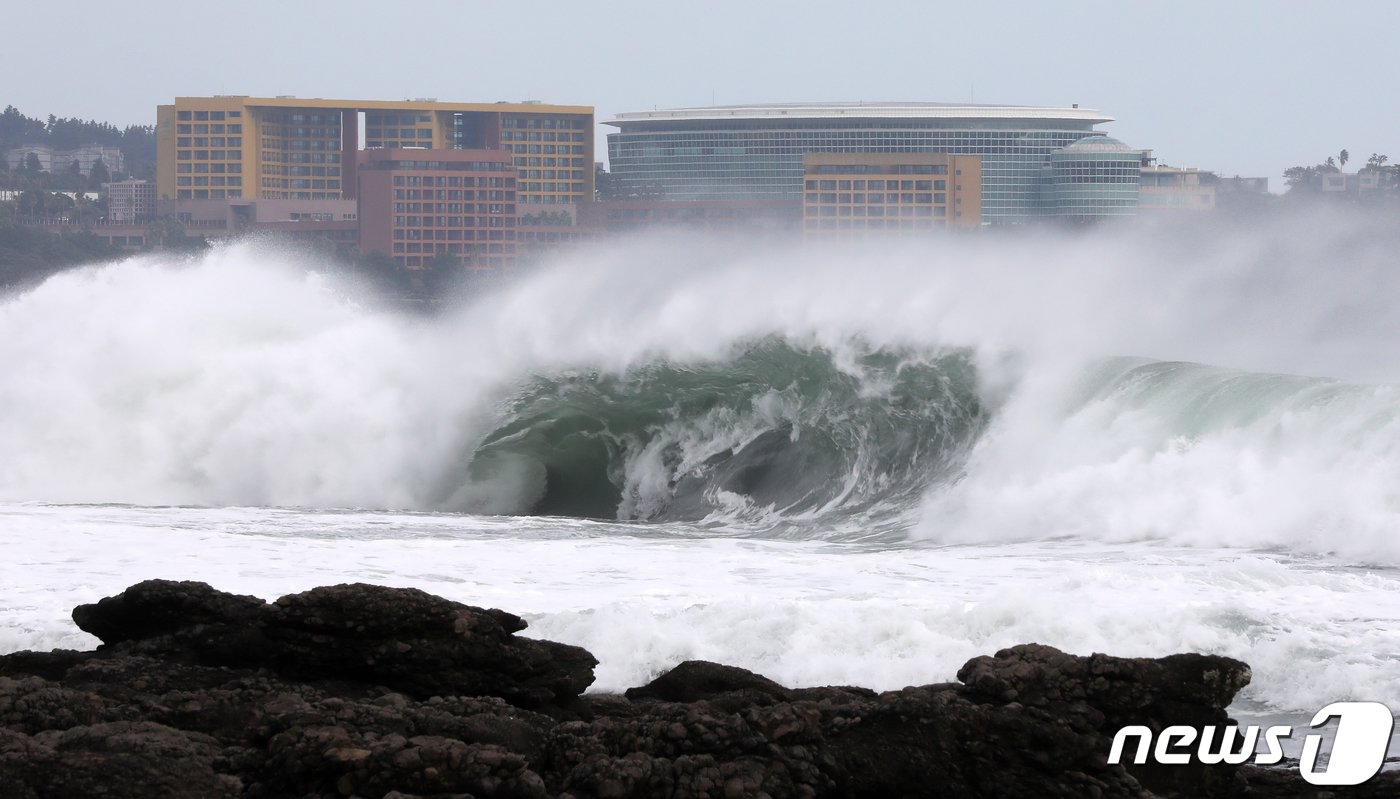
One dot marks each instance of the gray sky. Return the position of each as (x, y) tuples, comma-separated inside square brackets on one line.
[(1240, 86)]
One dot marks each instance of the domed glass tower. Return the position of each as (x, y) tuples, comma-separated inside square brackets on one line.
[(1095, 178)]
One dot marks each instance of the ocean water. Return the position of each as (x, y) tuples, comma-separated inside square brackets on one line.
[(830, 466)]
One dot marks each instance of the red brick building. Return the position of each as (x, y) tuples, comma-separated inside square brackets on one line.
[(420, 204)]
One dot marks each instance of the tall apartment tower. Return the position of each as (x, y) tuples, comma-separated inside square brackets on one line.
[(288, 148)]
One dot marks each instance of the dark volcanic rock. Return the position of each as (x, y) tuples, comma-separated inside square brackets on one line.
[(401, 638), (120, 759), (1187, 689), (358, 690), (155, 607), (422, 645), (694, 680)]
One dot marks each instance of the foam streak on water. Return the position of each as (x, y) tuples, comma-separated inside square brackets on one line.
[(804, 613)]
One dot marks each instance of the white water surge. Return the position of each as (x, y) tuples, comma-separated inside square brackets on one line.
[(836, 466)]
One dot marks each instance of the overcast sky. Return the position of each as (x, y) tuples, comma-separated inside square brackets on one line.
[(1239, 86)]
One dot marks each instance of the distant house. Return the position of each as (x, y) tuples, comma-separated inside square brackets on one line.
[(54, 160), (1176, 188), (1239, 185), (1352, 182), (13, 195), (130, 201)]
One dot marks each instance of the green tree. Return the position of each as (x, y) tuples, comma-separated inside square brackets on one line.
[(31, 202), (1343, 157), (440, 273), (31, 164), (602, 183), (138, 145), (17, 129), (44, 205), (28, 255), (98, 175), (59, 206), (168, 233), (1301, 179), (381, 270), (137, 142), (70, 179), (87, 212)]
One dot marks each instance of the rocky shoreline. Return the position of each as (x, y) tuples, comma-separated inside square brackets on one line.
[(366, 691)]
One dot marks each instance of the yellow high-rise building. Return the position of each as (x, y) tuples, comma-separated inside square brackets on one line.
[(289, 148)]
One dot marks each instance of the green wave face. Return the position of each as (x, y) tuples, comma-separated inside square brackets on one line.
[(775, 432)]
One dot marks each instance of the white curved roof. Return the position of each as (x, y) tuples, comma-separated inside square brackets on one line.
[(864, 110), (1097, 144)]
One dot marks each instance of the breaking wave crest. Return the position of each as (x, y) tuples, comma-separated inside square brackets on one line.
[(1133, 450), (773, 433), (973, 394)]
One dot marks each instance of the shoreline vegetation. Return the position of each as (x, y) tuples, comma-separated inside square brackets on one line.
[(361, 690)]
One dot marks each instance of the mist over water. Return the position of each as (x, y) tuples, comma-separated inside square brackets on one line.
[(1189, 381), (828, 465)]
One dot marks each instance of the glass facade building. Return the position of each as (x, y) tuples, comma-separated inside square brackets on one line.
[(1094, 178), (756, 152)]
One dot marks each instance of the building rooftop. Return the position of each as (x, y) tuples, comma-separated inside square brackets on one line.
[(1098, 144), (221, 101), (865, 110)]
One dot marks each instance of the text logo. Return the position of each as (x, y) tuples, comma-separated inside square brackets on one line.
[(1358, 749)]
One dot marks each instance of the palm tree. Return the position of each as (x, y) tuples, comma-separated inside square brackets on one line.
[(1344, 157)]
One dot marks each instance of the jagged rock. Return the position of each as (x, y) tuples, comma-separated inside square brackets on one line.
[(422, 645), (49, 665), (154, 607), (34, 704), (1188, 688), (401, 638), (117, 759), (694, 680), (1287, 784), (358, 690)]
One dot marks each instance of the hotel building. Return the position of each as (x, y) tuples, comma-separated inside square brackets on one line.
[(1093, 179), (1173, 189), (757, 151), (286, 148), (417, 205), (849, 195)]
